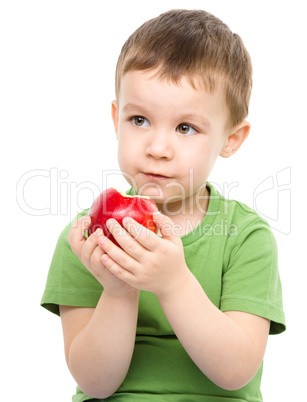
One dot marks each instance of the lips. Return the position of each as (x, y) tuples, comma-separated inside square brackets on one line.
[(156, 175)]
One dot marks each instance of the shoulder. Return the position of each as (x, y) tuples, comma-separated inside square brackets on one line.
[(234, 212), (245, 231)]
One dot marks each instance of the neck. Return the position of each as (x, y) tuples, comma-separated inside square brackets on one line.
[(187, 213)]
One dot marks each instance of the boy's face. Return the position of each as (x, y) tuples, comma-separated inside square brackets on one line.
[(169, 136)]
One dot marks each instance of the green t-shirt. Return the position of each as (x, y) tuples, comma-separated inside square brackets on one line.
[(233, 254)]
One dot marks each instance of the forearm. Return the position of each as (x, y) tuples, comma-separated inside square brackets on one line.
[(218, 346), (100, 355)]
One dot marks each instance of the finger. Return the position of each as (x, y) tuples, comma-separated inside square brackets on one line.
[(76, 235), (89, 246), (168, 229), (95, 259), (142, 235), (124, 239), (117, 254), (117, 270)]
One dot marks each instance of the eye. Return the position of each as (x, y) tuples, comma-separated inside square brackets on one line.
[(140, 121), (186, 129)]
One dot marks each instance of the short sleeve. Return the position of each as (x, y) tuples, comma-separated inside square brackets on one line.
[(251, 281), (69, 283)]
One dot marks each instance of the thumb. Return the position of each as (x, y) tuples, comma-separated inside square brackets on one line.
[(166, 226), (76, 235)]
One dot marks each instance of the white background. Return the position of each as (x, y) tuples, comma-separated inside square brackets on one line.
[(56, 84)]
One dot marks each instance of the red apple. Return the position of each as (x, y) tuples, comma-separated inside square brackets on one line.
[(111, 203)]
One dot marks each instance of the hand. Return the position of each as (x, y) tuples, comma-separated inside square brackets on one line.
[(90, 253), (146, 261)]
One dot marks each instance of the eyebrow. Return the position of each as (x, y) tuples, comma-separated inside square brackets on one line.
[(198, 118), (133, 107)]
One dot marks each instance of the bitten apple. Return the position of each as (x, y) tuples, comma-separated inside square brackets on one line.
[(111, 203)]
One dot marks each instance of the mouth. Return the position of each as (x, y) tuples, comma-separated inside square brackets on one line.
[(156, 176)]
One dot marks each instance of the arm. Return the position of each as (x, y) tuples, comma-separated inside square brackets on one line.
[(99, 341), (228, 347)]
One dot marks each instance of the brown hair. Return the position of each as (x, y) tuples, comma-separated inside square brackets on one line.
[(195, 44)]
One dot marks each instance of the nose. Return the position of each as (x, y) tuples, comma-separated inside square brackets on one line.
[(159, 145)]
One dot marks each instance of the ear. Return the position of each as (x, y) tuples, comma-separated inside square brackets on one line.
[(235, 139), (114, 112)]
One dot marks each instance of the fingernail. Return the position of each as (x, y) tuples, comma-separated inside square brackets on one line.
[(98, 232), (157, 213), (125, 221), (86, 222), (110, 223)]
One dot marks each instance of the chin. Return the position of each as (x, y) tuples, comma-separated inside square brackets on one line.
[(154, 191)]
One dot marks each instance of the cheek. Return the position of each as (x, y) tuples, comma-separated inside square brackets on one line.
[(204, 159), (121, 156), (126, 155)]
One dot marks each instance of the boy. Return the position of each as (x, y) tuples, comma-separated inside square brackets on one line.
[(183, 315)]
